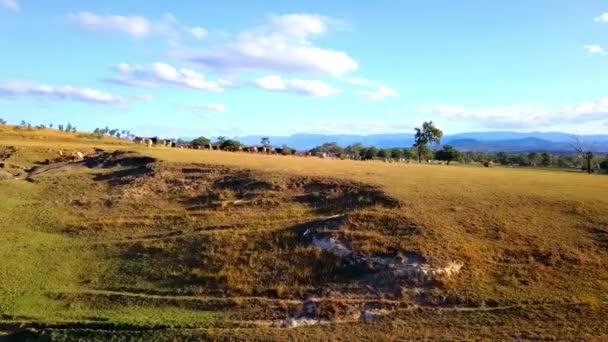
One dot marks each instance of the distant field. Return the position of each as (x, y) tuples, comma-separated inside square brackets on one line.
[(174, 244)]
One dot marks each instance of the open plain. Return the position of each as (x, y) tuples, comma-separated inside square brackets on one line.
[(137, 243)]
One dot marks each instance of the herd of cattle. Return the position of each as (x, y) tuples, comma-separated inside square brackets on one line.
[(258, 150), (271, 150)]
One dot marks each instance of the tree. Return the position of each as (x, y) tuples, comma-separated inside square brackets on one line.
[(60, 127), (230, 145), (426, 135), (200, 141), (2, 122), (584, 151), (502, 158), (50, 125), (220, 140), (74, 129), (396, 153), (448, 153), (604, 164), (354, 149), (409, 153), (533, 158), (68, 127), (330, 147), (371, 153), (265, 141), (383, 153), (545, 159)]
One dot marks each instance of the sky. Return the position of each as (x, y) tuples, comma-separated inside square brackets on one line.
[(274, 67)]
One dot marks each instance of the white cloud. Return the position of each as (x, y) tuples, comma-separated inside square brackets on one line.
[(523, 116), (283, 44), (159, 74), (66, 92), (603, 18), (595, 49), (295, 86), (12, 5), (135, 26), (203, 110), (379, 93), (198, 32)]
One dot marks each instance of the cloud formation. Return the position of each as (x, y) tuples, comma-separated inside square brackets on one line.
[(134, 26), (523, 116), (595, 49), (159, 74), (284, 45), (295, 86), (379, 93), (602, 18), (203, 110), (66, 92), (12, 5), (198, 32)]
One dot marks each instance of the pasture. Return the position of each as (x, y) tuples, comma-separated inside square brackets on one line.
[(164, 243)]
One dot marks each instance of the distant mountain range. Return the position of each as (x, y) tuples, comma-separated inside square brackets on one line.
[(475, 141)]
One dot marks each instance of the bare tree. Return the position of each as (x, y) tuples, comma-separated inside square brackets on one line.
[(584, 151)]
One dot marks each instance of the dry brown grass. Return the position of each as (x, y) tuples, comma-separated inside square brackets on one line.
[(532, 238)]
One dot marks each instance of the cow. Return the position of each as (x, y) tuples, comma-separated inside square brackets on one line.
[(149, 141), (138, 140)]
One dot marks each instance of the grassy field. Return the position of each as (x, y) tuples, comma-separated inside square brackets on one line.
[(173, 244)]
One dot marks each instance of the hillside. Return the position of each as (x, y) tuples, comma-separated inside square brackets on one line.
[(164, 244)]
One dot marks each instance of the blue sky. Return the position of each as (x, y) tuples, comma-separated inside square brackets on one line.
[(275, 67)]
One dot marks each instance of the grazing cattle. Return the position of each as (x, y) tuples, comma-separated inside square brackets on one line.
[(138, 140), (488, 164), (150, 142), (251, 149), (322, 154)]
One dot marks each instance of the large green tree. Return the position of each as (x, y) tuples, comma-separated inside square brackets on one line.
[(425, 135), (447, 153), (200, 141)]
